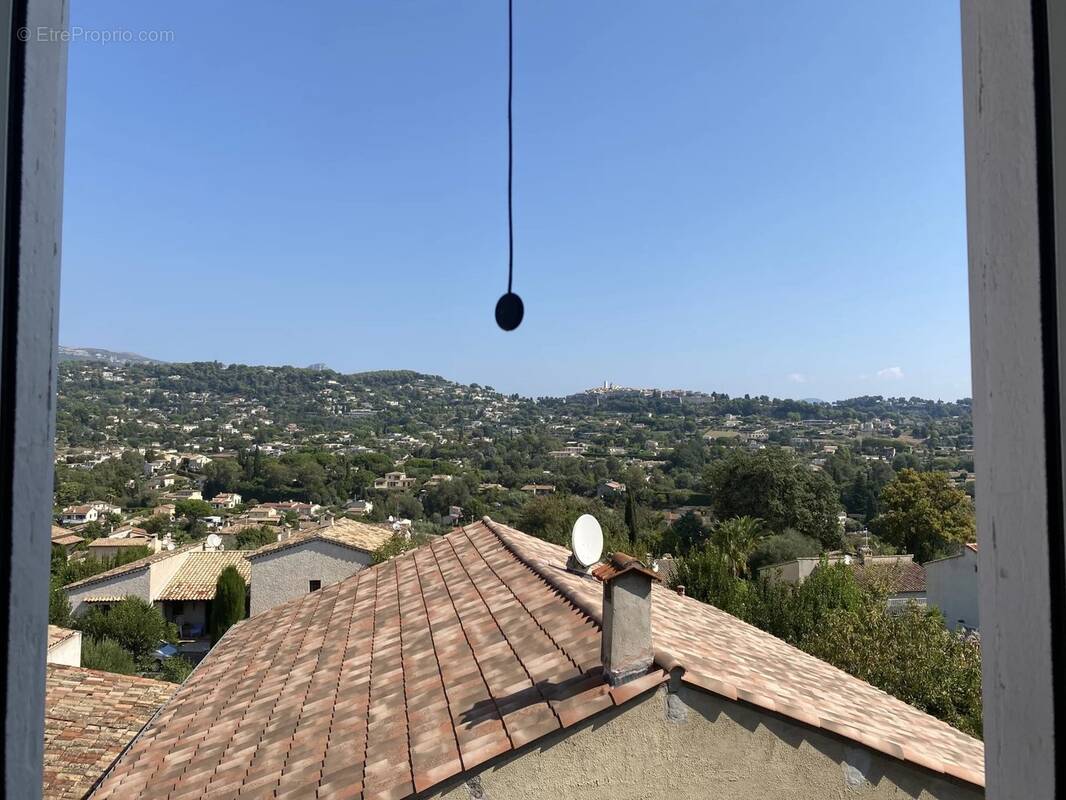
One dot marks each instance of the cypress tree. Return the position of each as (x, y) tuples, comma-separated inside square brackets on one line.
[(228, 606), (631, 517)]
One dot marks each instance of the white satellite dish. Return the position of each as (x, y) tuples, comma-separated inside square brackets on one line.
[(586, 540), (214, 540)]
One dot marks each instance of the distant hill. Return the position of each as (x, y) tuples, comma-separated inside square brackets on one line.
[(99, 354)]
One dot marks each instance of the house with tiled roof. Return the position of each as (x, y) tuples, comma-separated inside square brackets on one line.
[(90, 718), (312, 559), (180, 582), (65, 540), (186, 598), (480, 665), (64, 646), (899, 578), (952, 586)]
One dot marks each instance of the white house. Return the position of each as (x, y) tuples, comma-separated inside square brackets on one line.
[(311, 560), (951, 586), (78, 515), (394, 481), (225, 500), (196, 463)]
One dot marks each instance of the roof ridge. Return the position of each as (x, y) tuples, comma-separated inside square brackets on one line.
[(666, 661), (132, 566)]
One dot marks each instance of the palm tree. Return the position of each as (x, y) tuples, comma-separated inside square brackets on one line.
[(736, 539)]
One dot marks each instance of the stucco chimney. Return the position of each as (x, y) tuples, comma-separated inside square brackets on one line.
[(626, 648)]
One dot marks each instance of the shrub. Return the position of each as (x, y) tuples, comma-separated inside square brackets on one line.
[(175, 669), (107, 655), (135, 624)]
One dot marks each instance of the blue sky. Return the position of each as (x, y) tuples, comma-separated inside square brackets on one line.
[(730, 196)]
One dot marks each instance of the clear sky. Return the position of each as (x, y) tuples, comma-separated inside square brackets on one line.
[(762, 198)]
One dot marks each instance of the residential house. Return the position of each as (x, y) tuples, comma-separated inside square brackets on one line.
[(263, 515), (304, 511), (64, 646), (187, 494), (79, 514), (164, 510), (538, 489), (360, 507), (65, 540), (478, 665), (453, 517), (196, 462), (951, 586), (394, 481), (186, 599), (90, 719), (609, 489), (437, 480), (902, 580), (311, 560), (900, 577), (225, 500), (122, 540), (180, 582), (163, 481)]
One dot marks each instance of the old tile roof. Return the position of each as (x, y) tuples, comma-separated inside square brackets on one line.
[(904, 577), (723, 655), (470, 646), (197, 577), (62, 536), (89, 718), (133, 566), (379, 686), (344, 532), (619, 564), (56, 635)]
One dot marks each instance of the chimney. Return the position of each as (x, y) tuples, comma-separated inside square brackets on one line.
[(625, 650)]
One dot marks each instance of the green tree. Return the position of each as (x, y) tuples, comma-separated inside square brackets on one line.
[(686, 533), (193, 509), (58, 606), (107, 655), (398, 544), (175, 669), (254, 538), (736, 539), (135, 624), (631, 517), (773, 486), (924, 514), (910, 655), (228, 606), (782, 547)]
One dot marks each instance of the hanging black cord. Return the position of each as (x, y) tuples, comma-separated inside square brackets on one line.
[(510, 144), (509, 308)]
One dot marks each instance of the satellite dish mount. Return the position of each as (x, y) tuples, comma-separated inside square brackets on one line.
[(586, 544)]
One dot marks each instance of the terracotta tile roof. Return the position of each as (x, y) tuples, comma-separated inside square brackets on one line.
[(430, 664), (131, 541), (89, 718), (723, 655), (900, 578), (133, 566), (57, 635), (620, 564), (344, 532), (64, 536), (197, 577), (382, 685)]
